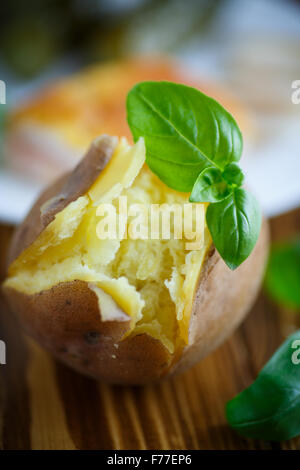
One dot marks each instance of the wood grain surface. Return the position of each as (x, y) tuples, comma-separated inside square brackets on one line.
[(44, 405)]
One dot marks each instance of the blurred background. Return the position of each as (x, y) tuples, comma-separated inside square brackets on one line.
[(68, 64)]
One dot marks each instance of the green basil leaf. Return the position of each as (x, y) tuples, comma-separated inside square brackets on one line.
[(171, 172), (210, 186), (283, 274), (185, 131), (233, 174), (270, 408), (234, 224)]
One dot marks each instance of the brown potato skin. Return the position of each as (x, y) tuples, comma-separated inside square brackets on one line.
[(66, 319)]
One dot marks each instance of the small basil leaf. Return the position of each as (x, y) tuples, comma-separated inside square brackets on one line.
[(210, 186), (283, 273), (182, 126), (270, 408), (233, 174), (234, 224)]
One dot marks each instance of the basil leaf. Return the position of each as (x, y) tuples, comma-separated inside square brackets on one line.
[(234, 224), (176, 176), (185, 131), (210, 186), (283, 274), (270, 408), (233, 174)]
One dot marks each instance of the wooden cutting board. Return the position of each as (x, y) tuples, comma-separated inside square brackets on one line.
[(44, 405)]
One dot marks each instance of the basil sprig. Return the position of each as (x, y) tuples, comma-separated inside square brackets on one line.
[(192, 145), (270, 408)]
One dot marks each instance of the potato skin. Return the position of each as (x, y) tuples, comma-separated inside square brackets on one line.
[(66, 319), (67, 322)]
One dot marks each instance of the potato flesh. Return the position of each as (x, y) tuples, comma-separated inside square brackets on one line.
[(152, 281)]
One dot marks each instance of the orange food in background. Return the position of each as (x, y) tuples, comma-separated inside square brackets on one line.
[(48, 134)]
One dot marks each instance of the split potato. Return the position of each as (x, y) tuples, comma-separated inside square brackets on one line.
[(123, 310)]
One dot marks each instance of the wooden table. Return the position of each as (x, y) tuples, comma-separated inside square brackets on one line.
[(44, 405)]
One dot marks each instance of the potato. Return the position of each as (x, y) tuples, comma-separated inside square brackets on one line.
[(122, 310)]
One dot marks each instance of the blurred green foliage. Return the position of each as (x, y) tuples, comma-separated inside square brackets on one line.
[(283, 273), (34, 34), (28, 47)]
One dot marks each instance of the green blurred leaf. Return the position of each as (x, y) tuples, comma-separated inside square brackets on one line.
[(283, 273), (28, 47), (270, 408)]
